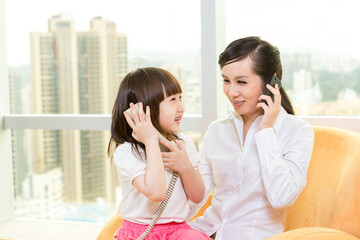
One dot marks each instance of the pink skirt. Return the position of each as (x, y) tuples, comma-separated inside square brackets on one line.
[(167, 231)]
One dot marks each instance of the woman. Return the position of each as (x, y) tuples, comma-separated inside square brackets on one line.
[(255, 160)]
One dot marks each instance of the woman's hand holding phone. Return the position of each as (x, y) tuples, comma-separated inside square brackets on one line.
[(140, 122), (271, 108)]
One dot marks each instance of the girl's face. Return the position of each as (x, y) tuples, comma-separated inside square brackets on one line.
[(171, 111), (243, 88)]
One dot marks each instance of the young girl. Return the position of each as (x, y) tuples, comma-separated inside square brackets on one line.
[(144, 171)]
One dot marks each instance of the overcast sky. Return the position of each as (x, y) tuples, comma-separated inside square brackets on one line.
[(159, 25), (328, 26)]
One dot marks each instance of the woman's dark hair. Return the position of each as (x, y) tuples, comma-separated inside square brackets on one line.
[(265, 58), (147, 85)]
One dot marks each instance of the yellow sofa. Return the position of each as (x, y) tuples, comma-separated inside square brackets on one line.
[(329, 206)]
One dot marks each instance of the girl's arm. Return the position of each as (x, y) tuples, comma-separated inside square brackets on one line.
[(193, 185), (178, 160), (153, 183)]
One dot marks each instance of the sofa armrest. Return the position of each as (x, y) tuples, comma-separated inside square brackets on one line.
[(314, 233), (108, 231)]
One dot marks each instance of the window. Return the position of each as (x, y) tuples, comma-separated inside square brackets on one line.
[(86, 126), (319, 49), (72, 63), (60, 43)]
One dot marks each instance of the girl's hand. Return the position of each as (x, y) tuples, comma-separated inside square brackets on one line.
[(272, 109), (143, 130), (176, 159)]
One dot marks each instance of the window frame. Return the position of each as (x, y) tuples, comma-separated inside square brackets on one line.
[(212, 42), (6, 173)]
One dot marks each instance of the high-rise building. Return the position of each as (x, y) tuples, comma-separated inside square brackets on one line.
[(42, 197), (19, 156), (55, 90), (301, 80), (294, 63), (77, 72), (102, 63)]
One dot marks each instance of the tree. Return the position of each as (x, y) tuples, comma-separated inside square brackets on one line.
[(330, 85)]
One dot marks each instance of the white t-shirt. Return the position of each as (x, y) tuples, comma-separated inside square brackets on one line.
[(136, 207), (255, 181)]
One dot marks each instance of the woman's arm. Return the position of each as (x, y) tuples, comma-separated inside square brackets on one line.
[(284, 171)]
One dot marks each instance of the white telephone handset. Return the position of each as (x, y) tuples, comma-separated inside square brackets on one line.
[(171, 184)]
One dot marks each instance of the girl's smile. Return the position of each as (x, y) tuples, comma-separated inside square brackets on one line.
[(171, 111)]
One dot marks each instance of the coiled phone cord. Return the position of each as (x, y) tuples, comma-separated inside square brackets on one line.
[(161, 207)]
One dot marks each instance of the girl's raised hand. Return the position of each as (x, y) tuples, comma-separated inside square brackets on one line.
[(176, 159), (271, 109), (143, 130)]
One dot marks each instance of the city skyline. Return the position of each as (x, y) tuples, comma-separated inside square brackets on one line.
[(160, 25), (161, 29), (71, 72)]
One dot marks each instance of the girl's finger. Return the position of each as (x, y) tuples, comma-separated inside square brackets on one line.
[(167, 165), (165, 154), (180, 144), (141, 112), (168, 145), (148, 116)]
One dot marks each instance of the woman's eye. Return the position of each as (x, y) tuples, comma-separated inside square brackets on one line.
[(226, 81), (241, 82), (173, 99)]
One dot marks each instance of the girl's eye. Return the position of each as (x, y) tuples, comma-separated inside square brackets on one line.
[(173, 99), (241, 82), (226, 81)]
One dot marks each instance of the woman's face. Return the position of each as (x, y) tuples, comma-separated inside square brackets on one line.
[(243, 88), (171, 111)]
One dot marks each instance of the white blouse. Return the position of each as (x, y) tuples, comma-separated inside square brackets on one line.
[(137, 208), (254, 182)]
